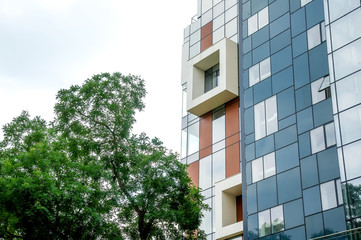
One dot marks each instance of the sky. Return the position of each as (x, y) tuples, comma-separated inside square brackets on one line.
[(48, 45)]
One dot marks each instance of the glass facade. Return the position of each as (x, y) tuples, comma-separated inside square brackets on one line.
[(299, 115)]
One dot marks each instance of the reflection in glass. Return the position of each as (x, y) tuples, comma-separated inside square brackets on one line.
[(313, 36), (316, 95), (257, 170), (346, 29), (253, 75), (252, 24), (205, 171), (219, 168), (352, 153), (269, 165), (277, 219), (328, 195), (350, 123), (193, 138), (264, 223), (271, 115), (349, 91), (265, 68), (218, 125), (263, 18), (347, 59), (259, 119), (330, 134), (339, 8), (184, 143), (354, 197), (317, 139), (206, 224)]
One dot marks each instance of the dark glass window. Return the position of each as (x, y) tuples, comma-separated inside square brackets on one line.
[(309, 171), (211, 78), (293, 214), (312, 200), (289, 185), (314, 226)]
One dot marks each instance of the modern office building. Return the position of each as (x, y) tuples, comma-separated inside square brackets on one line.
[(271, 125)]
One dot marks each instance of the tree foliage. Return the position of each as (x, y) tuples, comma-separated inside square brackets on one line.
[(85, 176)]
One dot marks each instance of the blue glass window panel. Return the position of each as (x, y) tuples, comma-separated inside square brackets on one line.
[(305, 120), (245, 79), (267, 193), (247, 60), (286, 122), (272, 237), (314, 13), (249, 121), (262, 90), (250, 152), (261, 52), (246, 10), (309, 171), (314, 226), (247, 45), (286, 136), (303, 97), (334, 220), (304, 144), (245, 29), (250, 138), (289, 185), (281, 60), (301, 70), (294, 234), (249, 172), (293, 212), (299, 44), (253, 227), (280, 41), (286, 103), (298, 21), (282, 80), (248, 97), (295, 4), (312, 200), (264, 146), (328, 165), (257, 5), (322, 112), (287, 158), (277, 9), (252, 199), (260, 36), (280, 25), (318, 62)]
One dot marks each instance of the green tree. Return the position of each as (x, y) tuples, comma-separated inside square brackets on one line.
[(46, 194), (85, 176), (155, 195)]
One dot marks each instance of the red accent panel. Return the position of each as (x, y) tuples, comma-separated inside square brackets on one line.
[(193, 172), (205, 135), (232, 160)]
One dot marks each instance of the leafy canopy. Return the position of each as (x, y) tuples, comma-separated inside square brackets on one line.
[(85, 176)]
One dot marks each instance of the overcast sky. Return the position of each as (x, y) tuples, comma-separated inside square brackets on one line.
[(46, 45)]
